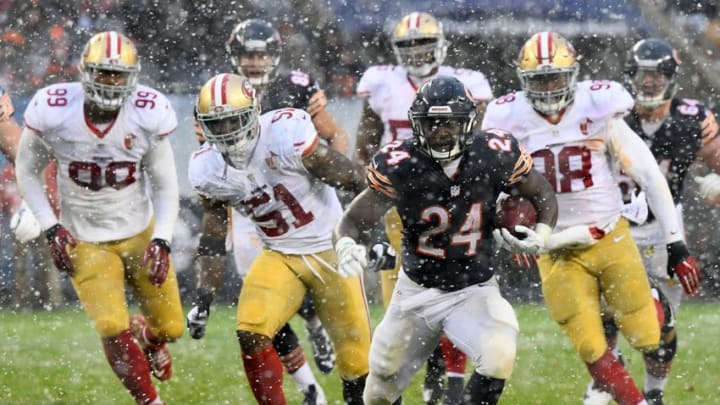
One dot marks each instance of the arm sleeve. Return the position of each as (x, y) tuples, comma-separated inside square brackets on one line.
[(160, 167), (638, 162), (33, 157)]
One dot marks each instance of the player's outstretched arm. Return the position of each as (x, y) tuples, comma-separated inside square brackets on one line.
[(369, 134), (333, 168), (210, 264), (326, 125)]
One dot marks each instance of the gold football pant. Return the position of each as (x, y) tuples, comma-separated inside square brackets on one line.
[(388, 278), (573, 280), (101, 270), (273, 291)]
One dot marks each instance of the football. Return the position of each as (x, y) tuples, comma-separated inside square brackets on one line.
[(516, 211)]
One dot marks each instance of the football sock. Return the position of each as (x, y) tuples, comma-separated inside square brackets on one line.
[(265, 374), (304, 377), (353, 390), (285, 341), (313, 323), (454, 358), (130, 365), (483, 390), (454, 391), (293, 360), (614, 378)]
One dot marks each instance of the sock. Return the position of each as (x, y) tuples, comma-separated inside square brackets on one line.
[(313, 323), (483, 390), (614, 378), (294, 360), (654, 383), (304, 377), (454, 391), (659, 362), (130, 365), (454, 358), (353, 390), (265, 374)]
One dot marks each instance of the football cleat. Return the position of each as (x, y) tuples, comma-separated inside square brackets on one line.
[(434, 382), (314, 395), (654, 397), (594, 395), (323, 352), (157, 355)]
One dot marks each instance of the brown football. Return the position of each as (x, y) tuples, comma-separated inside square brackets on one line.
[(516, 211)]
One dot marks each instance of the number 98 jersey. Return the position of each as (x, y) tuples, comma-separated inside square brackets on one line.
[(100, 169), (448, 220)]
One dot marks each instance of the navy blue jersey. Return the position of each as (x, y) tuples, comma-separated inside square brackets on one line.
[(289, 90), (448, 222), (676, 143)]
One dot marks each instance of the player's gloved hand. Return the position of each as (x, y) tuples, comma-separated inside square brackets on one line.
[(684, 266), (709, 186), (636, 211), (157, 254), (533, 242), (317, 102), (381, 256), (24, 225), (352, 258), (197, 320), (59, 239), (578, 237)]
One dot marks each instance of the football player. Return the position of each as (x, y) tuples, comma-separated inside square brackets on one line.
[(419, 45), (678, 131), (109, 136), (573, 131), (9, 129), (273, 169), (444, 182), (254, 50)]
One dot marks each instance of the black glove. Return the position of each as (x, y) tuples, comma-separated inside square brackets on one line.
[(684, 266), (199, 314), (381, 256)]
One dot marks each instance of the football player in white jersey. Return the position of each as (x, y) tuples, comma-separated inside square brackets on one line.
[(119, 203), (575, 131), (419, 44), (274, 170), (9, 129)]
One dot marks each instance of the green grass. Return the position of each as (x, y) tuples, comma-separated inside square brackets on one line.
[(56, 358)]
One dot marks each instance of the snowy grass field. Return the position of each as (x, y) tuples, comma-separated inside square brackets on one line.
[(56, 358)]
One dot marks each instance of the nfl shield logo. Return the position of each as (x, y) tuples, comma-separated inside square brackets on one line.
[(454, 191)]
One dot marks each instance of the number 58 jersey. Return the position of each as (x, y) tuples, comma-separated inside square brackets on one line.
[(101, 179), (293, 211), (574, 154)]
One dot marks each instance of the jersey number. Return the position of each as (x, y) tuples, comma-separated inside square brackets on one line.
[(281, 227), (470, 233), (571, 163), (117, 175)]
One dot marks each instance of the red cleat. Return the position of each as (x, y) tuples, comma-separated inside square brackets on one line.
[(157, 354)]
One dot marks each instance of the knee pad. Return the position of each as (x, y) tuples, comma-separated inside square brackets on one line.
[(307, 309), (497, 358), (665, 352)]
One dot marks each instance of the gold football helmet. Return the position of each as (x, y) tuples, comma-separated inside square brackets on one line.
[(109, 69), (419, 43), (548, 68), (228, 112)]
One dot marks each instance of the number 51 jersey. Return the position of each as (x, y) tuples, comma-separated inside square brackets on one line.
[(294, 212), (448, 220), (100, 169)]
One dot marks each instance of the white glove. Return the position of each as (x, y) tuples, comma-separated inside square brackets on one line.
[(578, 237), (24, 225), (533, 242), (709, 186), (352, 258), (637, 209)]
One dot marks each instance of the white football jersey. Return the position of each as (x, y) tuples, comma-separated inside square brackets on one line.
[(101, 181), (574, 154), (390, 92), (293, 211)]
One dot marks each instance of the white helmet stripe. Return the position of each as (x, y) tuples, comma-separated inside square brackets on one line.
[(544, 44), (113, 45), (414, 21), (219, 89)]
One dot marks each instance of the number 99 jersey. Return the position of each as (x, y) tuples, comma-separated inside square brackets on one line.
[(100, 168), (448, 221)]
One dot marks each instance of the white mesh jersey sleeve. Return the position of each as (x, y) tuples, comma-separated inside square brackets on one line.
[(475, 81)]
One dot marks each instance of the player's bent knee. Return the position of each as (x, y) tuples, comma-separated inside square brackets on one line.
[(379, 390), (171, 331), (498, 359), (591, 348), (641, 329)]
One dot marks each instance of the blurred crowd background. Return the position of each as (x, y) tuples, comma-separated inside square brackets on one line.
[(181, 44)]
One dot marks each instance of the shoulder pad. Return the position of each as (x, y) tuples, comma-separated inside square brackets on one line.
[(606, 99), (153, 110), (500, 111), (476, 82), (373, 79)]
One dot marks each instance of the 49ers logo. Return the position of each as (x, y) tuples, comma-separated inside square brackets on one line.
[(248, 89)]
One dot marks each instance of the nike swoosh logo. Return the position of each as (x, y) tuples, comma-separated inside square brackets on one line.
[(619, 238)]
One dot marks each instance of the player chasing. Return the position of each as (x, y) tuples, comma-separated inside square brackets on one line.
[(273, 169), (109, 136), (420, 47), (444, 182), (678, 131), (574, 131)]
